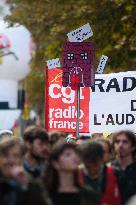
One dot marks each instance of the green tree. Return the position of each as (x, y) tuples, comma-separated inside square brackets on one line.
[(113, 23)]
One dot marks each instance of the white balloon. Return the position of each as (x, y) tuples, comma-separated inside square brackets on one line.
[(16, 54)]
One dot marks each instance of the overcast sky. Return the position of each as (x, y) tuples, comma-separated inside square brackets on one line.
[(3, 9)]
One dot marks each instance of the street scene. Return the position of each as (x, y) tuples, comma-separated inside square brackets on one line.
[(67, 102)]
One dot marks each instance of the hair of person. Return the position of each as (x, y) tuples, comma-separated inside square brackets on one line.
[(97, 133), (60, 147), (84, 137), (51, 177), (35, 132), (131, 136), (105, 141), (9, 144), (91, 150), (57, 134)]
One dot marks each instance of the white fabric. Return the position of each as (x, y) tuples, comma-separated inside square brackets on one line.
[(8, 92), (117, 104), (8, 118), (20, 39)]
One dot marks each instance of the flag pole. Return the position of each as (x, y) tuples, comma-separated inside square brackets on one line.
[(78, 111)]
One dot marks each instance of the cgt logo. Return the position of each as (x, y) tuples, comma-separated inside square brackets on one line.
[(58, 78), (67, 95)]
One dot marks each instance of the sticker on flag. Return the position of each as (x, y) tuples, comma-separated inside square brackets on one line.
[(102, 64), (53, 63), (80, 34)]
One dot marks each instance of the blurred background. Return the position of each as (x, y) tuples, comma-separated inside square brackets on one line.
[(33, 31)]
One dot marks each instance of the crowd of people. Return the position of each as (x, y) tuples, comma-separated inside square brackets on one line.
[(42, 168)]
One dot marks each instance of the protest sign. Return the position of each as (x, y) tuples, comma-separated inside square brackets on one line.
[(78, 59), (80, 34), (102, 64), (113, 102), (53, 63), (109, 106), (61, 101)]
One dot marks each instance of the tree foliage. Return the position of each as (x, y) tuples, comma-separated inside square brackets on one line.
[(112, 21)]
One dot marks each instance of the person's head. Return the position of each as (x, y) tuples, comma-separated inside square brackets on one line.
[(97, 135), (5, 135), (65, 157), (11, 154), (92, 155), (57, 136), (124, 143), (82, 139), (37, 142), (107, 149)]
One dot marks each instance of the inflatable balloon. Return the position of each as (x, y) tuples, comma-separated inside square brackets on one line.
[(15, 56)]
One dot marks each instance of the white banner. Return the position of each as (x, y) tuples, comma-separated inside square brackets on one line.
[(113, 102)]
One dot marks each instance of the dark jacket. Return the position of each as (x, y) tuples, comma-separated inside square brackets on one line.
[(13, 194), (85, 196), (127, 180), (8, 192)]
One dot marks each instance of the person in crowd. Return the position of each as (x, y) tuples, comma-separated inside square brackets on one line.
[(15, 185), (94, 173), (37, 150), (124, 144), (108, 155), (81, 139), (97, 135), (62, 180), (57, 136), (5, 134)]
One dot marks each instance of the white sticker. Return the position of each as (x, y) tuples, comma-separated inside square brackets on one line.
[(80, 34), (102, 64), (53, 63)]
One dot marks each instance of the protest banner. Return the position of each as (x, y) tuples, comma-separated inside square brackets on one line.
[(61, 101), (109, 106), (113, 102)]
